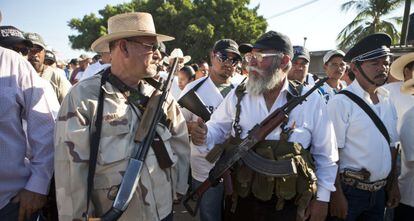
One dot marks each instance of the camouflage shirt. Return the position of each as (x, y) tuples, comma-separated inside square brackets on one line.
[(153, 197)]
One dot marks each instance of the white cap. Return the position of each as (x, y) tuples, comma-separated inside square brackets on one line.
[(329, 55)]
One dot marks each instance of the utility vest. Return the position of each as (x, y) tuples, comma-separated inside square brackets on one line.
[(300, 187)]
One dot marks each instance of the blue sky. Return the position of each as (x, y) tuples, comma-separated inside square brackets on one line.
[(319, 21)]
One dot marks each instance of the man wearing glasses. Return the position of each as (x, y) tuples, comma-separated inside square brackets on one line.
[(211, 89), (257, 196), (36, 57), (121, 92)]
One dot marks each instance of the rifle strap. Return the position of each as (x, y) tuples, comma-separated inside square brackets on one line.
[(136, 99), (368, 110), (294, 90), (94, 141)]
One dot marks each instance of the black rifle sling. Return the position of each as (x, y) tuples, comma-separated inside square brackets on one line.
[(368, 110), (94, 141)]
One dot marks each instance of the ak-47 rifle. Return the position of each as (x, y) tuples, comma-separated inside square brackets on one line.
[(243, 150), (143, 138)]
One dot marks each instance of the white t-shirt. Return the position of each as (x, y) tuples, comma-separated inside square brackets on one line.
[(92, 70), (406, 179), (402, 102), (312, 128), (211, 97), (328, 92), (361, 143)]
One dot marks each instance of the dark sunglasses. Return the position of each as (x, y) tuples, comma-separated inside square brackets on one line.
[(154, 46), (223, 58), (35, 49)]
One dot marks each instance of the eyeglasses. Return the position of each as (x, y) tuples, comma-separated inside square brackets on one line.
[(223, 58), (153, 47), (258, 56)]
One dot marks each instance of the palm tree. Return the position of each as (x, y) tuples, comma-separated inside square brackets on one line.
[(370, 19)]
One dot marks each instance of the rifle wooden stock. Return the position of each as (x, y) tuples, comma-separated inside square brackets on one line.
[(192, 102), (255, 135)]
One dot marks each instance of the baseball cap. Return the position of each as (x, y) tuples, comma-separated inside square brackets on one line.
[(36, 39), (10, 36), (274, 40), (332, 53), (300, 52), (49, 55), (227, 45)]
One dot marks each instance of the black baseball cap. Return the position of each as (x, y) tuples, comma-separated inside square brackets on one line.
[(10, 36), (245, 48), (227, 45), (49, 55), (300, 52), (371, 47), (274, 40)]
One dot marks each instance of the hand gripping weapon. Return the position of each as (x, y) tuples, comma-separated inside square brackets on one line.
[(244, 152)]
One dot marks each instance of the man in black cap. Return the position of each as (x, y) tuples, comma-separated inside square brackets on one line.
[(365, 126), (211, 89), (12, 38), (257, 196), (300, 67), (37, 56)]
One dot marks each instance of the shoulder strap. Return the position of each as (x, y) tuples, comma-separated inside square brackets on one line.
[(198, 85), (368, 110), (94, 141), (240, 92)]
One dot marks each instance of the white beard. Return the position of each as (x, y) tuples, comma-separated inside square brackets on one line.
[(257, 85)]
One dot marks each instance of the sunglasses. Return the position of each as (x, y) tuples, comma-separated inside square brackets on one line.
[(153, 47), (223, 58), (258, 56)]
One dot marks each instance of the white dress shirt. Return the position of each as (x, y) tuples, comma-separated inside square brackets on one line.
[(406, 179), (313, 128), (211, 97), (361, 143), (402, 102), (328, 92)]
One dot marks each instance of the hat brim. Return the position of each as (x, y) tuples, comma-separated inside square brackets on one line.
[(102, 43), (186, 59), (232, 51), (301, 56), (408, 87), (397, 67), (10, 41)]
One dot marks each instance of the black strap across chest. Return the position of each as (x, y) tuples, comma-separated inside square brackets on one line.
[(368, 110)]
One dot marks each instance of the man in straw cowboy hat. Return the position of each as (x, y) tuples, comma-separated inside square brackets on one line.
[(132, 41), (403, 69)]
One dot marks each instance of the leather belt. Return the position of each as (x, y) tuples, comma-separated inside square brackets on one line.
[(367, 186)]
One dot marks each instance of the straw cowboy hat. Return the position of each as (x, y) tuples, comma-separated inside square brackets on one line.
[(408, 87), (125, 26), (397, 67), (178, 53)]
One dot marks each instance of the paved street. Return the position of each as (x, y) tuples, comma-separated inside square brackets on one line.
[(181, 214)]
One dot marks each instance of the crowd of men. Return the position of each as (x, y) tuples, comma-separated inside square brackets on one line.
[(68, 132)]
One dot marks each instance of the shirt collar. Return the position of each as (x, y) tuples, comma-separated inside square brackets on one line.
[(356, 88)]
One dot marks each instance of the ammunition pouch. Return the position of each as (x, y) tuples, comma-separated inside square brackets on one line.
[(301, 187)]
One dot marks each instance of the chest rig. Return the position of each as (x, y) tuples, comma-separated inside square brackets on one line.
[(300, 187)]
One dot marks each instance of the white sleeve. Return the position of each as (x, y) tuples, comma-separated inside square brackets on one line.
[(324, 150)]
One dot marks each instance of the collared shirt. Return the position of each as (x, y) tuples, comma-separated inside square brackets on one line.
[(211, 97), (153, 197), (58, 81), (22, 98), (328, 92), (406, 179), (361, 143), (402, 102), (93, 69), (312, 128)]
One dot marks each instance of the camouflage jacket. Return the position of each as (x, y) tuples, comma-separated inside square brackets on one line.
[(157, 187)]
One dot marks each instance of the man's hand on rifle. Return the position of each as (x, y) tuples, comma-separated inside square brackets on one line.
[(198, 132)]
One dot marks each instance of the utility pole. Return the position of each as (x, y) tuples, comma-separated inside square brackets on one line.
[(406, 21), (304, 41)]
